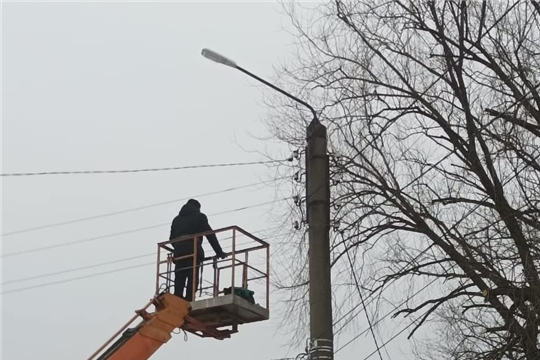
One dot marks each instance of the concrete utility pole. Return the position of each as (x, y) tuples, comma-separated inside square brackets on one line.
[(318, 218)]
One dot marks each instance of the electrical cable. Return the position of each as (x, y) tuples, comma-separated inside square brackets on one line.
[(384, 317), (141, 170), (372, 300), (77, 278), (40, 276), (80, 241), (364, 305), (379, 320), (109, 235), (88, 276), (74, 242), (392, 338), (66, 271), (99, 216)]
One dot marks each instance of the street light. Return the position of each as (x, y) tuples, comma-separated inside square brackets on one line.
[(318, 216), (220, 59), (214, 56)]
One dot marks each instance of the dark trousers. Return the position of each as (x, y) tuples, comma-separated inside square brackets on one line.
[(183, 270)]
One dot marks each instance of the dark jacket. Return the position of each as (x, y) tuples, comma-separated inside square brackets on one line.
[(191, 221)]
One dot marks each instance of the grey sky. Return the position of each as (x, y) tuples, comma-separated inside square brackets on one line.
[(115, 86)]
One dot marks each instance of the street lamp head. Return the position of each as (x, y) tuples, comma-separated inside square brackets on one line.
[(214, 56)]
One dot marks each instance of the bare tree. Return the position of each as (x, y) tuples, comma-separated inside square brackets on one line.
[(433, 115)]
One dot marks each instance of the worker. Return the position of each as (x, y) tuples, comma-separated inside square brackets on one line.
[(190, 220)]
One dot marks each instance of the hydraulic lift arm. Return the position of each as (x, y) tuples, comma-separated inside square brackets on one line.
[(142, 341), (216, 317)]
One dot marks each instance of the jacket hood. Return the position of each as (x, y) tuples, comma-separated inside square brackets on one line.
[(188, 210)]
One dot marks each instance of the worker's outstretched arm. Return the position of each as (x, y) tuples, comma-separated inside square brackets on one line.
[(212, 238)]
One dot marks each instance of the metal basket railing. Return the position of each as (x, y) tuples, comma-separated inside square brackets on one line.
[(239, 264)]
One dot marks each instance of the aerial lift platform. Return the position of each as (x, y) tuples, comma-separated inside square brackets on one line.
[(213, 312)]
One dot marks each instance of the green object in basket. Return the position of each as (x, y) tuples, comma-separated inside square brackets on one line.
[(243, 293)]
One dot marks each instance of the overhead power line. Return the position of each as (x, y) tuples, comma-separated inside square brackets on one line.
[(93, 266), (89, 275), (115, 261), (77, 278), (67, 271), (372, 298), (384, 317), (74, 242), (357, 283), (392, 338), (86, 172), (119, 212), (80, 241)]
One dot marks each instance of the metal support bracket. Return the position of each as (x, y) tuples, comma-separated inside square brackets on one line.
[(321, 349)]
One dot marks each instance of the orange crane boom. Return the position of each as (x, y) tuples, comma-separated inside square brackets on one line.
[(142, 341)]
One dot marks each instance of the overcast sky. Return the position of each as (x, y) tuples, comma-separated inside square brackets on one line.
[(100, 86)]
